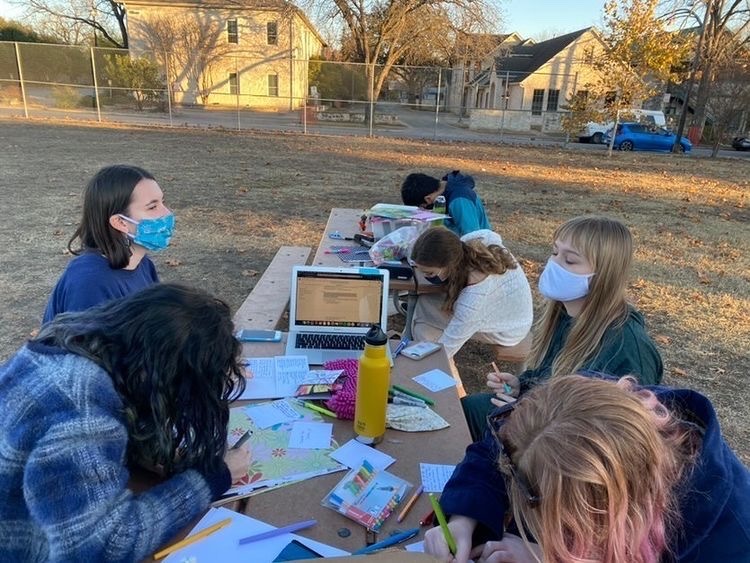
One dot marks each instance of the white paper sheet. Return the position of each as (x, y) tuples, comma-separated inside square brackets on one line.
[(268, 414), (275, 378), (311, 435), (435, 380), (353, 453), (435, 476), (224, 545)]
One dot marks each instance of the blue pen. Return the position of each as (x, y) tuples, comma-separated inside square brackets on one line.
[(401, 345), (388, 542)]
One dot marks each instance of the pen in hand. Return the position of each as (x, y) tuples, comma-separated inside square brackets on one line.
[(507, 389)]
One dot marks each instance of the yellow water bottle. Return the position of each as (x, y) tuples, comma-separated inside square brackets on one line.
[(372, 388)]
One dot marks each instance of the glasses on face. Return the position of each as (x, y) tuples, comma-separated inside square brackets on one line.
[(507, 467)]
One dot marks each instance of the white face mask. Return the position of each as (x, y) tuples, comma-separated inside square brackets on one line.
[(559, 284)]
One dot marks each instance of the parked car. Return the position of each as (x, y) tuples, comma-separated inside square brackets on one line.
[(637, 137), (595, 132), (741, 143)]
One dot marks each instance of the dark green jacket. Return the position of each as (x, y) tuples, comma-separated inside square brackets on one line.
[(626, 350)]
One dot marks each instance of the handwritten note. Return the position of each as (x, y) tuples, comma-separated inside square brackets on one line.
[(434, 476), (435, 380), (270, 414), (353, 453), (275, 378), (311, 435)]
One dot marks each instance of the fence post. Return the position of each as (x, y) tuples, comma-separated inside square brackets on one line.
[(372, 99), (20, 79), (169, 88), (306, 66), (237, 94), (96, 87), (437, 103), (505, 104)]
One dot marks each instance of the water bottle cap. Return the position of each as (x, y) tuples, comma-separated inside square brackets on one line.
[(375, 336)]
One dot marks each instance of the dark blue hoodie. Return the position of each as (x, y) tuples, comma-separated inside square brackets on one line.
[(714, 500)]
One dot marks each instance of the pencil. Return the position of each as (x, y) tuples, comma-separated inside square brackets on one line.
[(413, 394), (314, 407), (443, 524), (410, 503), (506, 388), (192, 539)]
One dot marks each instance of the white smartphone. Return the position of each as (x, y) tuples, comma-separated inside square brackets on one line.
[(252, 335), (420, 350)]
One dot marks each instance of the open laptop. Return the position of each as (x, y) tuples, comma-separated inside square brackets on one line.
[(331, 310)]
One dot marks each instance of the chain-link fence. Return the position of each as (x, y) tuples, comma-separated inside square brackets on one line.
[(277, 93)]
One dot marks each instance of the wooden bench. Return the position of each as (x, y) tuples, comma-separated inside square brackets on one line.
[(269, 299)]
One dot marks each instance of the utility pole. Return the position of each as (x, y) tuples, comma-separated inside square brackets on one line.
[(691, 81)]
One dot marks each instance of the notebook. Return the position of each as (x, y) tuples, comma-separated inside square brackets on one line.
[(331, 310)]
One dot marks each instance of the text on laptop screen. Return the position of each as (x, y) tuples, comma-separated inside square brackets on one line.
[(338, 300)]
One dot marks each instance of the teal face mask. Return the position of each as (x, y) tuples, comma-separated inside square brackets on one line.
[(152, 234)]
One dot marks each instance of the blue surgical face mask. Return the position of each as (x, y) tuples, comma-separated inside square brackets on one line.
[(559, 284), (437, 280), (152, 234)]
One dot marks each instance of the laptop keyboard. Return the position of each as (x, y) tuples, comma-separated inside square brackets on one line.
[(331, 341)]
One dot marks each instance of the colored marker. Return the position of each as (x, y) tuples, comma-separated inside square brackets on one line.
[(413, 394), (507, 389), (401, 345), (278, 531), (427, 519), (241, 442), (321, 410), (388, 542), (443, 524)]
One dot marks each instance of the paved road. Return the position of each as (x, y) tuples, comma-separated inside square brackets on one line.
[(414, 124)]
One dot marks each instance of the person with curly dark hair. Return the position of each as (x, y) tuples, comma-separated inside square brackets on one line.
[(144, 380)]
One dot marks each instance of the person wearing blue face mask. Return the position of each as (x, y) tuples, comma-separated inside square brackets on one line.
[(587, 324), (124, 217), (487, 296)]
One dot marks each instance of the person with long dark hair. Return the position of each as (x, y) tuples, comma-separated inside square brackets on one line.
[(144, 380), (124, 217)]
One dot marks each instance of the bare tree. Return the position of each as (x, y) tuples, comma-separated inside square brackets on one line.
[(726, 36), (187, 48), (383, 32), (729, 99), (103, 17)]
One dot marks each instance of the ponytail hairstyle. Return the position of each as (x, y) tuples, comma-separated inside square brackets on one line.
[(605, 461), (174, 362), (108, 193), (439, 247), (608, 246)]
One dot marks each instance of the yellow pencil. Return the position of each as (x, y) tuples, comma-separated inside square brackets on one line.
[(321, 410), (192, 539)]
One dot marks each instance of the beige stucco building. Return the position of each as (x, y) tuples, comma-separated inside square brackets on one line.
[(247, 53), (526, 88)]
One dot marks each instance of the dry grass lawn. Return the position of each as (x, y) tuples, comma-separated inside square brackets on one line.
[(238, 197)]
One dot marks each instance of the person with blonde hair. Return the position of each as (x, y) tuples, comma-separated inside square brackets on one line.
[(487, 296), (584, 469), (587, 323)]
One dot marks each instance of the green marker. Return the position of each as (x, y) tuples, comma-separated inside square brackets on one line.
[(443, 524)]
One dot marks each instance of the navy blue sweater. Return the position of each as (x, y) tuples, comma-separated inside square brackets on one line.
[(714, 506)]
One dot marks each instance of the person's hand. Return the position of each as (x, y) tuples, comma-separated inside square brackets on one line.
[(462, 529), (511, 549), (498, 381), (238, 461)]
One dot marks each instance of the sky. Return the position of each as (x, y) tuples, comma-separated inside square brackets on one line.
[(529, 18), (535, 18)]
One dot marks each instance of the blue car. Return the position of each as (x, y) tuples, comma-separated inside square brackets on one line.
[(637, 137)]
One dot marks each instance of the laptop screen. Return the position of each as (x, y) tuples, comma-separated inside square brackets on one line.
[(338, 299)]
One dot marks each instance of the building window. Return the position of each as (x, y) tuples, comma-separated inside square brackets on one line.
[(273, 85), (537, 102), (553, 98), (234, 83), (232, 36), (272, 33)]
